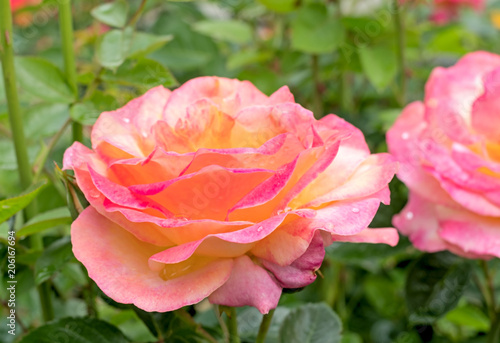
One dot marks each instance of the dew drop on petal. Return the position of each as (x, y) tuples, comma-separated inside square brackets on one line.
[(409, 215), (94, 193), (287, 209), (355, 210), (405, 135), (259, 229), (126, 120)]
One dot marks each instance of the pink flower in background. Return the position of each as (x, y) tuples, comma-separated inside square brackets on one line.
[(447, 10), (449, 150), (444, 11), (25, 17), (18, 4), (216, 190)]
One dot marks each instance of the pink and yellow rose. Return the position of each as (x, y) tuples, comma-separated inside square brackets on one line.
[(217, 190), (449, 150)]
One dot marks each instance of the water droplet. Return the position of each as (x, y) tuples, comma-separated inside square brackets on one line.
[(409, 215), (287, 209), (355, 210), (94, 193), (405, 135), (280, 212), (144, 134), (126, 120), (260, 228)]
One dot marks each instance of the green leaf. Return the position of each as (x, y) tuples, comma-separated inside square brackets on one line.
[(280, 6), (233, 31), (44, 120), (43, 79), (311, 323), (313, 31), (78, 330), (382, 294), (144, 72), (379, 65), (112, 47), (112, 13), (244, 58), (175, 326), (46, 220), (249, 319), (351, 337), (11, 206), (84, 113), (434, 285), (53, 259), (188, 50), (145, 43), (469, 316), (87, 112)]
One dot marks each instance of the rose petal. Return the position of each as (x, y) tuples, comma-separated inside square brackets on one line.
[(403, 140), (386, 236), (489, 102), (480, 237), (248, 285), (118, 263), (369, 178), (302, 271), (419, 221), (128, 128)]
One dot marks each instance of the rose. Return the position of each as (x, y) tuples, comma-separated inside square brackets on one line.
[(216, 190), (449, 150)]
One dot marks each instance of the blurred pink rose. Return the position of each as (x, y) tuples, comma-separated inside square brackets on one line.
[(449, 150), (23, 18), (447, 10), (444, 11), (216, 190)]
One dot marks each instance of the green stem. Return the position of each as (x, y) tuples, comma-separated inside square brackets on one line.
[(137, 14), (183, 314), (345, 93), (317, 101), (222, 324), (14, 109), (40, 163), (232, 325), (490, 289), (16, 124), (494, 335), (89, 295), (346, 104), (264, 327), (66, 26), (400, 50)]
